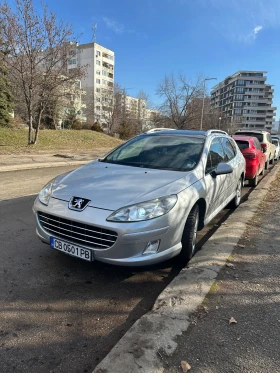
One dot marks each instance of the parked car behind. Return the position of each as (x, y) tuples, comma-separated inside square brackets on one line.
[(265, 140), (276, 142), (143, 202), (252, 151)]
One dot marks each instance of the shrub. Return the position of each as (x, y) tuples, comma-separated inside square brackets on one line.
[(96, 127), (77, 125)]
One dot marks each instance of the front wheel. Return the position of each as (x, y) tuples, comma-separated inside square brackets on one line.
[(237, 199), (189, 237)]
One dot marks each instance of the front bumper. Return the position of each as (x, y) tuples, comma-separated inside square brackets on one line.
[(132, 239)]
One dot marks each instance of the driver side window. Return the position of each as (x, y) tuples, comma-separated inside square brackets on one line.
[(215, 156)]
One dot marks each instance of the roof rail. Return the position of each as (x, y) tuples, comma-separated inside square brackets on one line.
[(160, 129), (215, 131)]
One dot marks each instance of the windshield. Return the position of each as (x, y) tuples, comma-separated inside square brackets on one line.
[(275, 142), (259, 136), (242, 144), (163, 152)]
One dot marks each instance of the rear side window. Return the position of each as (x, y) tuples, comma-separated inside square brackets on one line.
[(229, 152), (242, 144), (257, 144), (215, 155), (259, 136), (233, 145)]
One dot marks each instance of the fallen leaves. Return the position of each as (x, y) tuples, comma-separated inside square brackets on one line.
[(232, 321), (185, 366)]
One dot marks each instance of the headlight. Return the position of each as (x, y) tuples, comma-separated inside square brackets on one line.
[(45, 194), (145, 210)]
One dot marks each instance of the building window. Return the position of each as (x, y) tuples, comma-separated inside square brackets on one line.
[(239, 90), (238, 97), (98, 62), (97, 72), (98, 81), (240, 82), (104, 81), (237, 111), (98, 99), (72, 53), (72, 62), (105, 73), (238, 104), (97, 89), (98, 54), (97, 107)]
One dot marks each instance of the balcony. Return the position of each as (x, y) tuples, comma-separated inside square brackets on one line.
[(108, 66), (255, 121), (251, 85), (258, 115), (265, 100)]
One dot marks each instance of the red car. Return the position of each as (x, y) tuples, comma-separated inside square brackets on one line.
[(252, 151)]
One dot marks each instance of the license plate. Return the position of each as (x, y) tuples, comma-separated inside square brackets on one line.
[(71, 249)]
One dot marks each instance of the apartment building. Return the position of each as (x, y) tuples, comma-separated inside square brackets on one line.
[(245, 100), (98, 82)]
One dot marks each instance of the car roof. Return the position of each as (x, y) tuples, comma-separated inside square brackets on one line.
[(185, 132), (250, 130), (244, 138), (177, 132)]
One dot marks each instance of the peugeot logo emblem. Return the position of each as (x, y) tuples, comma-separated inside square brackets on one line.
[(78, 203)]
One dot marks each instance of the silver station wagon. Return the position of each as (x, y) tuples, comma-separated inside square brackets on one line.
[(144, 201)]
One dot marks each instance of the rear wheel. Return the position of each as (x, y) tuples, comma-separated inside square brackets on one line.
[(237, 199), (189, 237), (266, 165), (254, 182)]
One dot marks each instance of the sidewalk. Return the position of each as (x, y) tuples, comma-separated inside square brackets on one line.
[(247, 289), (14, 162), (235, 275)]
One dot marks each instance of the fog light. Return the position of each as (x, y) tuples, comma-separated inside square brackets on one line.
[(152, 247)]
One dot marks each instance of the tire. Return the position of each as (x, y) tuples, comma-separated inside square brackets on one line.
[(189, 238), (266, 165), (272, 161), (237, 199), (254, 182)]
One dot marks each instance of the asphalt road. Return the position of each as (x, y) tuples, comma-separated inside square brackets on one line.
[(60, 314)]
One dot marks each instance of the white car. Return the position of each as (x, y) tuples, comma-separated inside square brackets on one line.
[(276, 142), (144, 201)]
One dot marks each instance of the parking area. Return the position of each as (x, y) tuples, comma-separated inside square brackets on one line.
[(62, 314)]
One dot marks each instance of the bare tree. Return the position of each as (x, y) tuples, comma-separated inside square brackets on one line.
[(181, 100), (37, 57)]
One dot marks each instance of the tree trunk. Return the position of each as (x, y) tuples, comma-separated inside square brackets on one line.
[(30, 129), (38, 127)]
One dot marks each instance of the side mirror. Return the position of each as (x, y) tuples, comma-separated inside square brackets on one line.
[(222, 169)]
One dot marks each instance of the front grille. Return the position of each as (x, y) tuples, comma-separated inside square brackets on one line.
[(83, 234)]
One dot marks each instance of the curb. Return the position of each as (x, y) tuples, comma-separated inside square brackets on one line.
[(154, 334), (30, 166)]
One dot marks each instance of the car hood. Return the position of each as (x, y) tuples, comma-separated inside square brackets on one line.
[(110, 186)]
